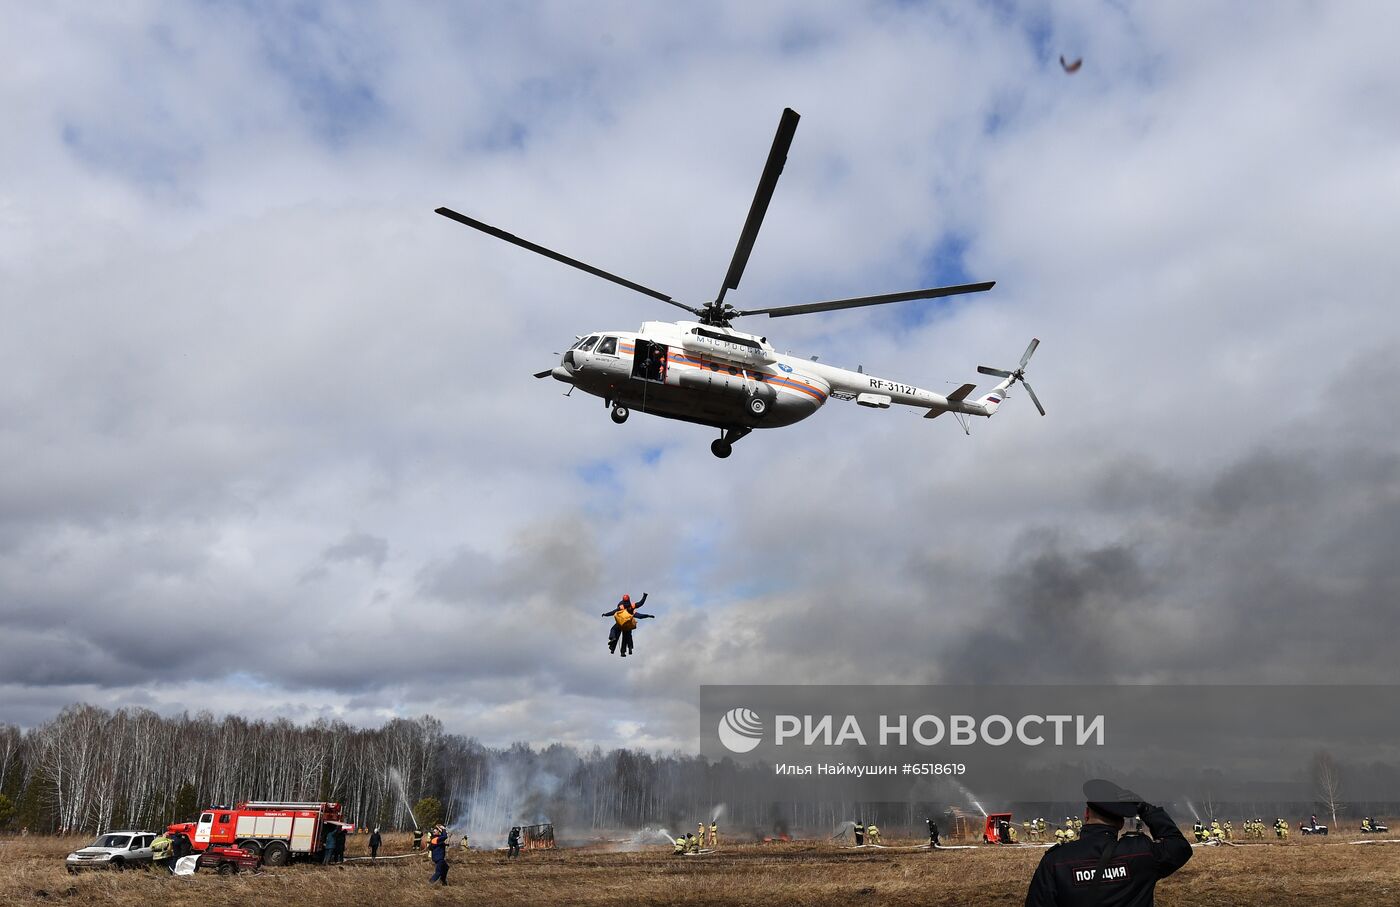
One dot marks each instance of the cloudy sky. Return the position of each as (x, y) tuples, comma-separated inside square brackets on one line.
[(269, 441)]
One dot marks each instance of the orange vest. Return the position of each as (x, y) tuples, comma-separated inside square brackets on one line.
[(625, 619)]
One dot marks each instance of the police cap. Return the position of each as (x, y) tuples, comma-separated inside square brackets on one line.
[(1108, 799)]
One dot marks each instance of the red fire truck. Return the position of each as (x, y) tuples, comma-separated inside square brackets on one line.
[(278, 831)]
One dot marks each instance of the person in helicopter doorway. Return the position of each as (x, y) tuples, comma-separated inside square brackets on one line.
[(625, 617)]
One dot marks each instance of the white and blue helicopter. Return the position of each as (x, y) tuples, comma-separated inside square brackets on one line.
[(706, 372)]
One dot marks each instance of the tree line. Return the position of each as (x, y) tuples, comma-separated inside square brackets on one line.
[(90, 769)]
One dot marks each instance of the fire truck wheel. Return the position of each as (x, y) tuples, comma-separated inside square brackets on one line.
[(253, 847), (275, 854), (227, 869)]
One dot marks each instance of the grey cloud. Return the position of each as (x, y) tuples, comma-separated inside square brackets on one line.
[(206, 381), (358, 546)]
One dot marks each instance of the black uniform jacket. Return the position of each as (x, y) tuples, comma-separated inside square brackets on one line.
[(1065, 877)]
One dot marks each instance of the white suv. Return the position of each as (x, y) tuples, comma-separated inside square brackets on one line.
[(115, 849)]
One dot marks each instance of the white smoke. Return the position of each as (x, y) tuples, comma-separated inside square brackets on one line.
[(508, 794), (645, 837)]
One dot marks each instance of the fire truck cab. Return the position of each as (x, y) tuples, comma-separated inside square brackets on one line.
[(275, 830)]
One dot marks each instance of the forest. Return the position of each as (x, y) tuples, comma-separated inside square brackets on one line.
[(90, 769)]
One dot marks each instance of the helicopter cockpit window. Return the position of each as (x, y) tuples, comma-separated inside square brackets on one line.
[(586, 344), (608, 346)]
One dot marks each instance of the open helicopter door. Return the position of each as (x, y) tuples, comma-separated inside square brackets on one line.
[(649, 361)]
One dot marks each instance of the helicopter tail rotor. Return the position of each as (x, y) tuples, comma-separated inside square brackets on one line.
[(994, 399)]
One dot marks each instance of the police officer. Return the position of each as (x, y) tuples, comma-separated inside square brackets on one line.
[(1128, 869)]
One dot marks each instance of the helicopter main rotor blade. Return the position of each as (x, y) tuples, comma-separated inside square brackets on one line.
[(858, 301), (777, 157), (563, 259), (988, 370), (1034, 398), (1030, 351)]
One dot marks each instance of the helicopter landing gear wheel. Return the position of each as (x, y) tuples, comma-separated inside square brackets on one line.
[(724, 445), (758, 407), (620, 413)]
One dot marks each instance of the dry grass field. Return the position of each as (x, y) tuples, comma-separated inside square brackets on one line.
[(1312, 871)]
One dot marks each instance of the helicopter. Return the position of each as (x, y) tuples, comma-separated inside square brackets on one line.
[(706, 372)]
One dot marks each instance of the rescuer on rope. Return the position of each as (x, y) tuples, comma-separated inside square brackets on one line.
[(625, 617)]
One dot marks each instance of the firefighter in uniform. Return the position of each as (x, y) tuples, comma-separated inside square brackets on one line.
[(872, 834), (1128, 869), (714, 833), (694, 844), (162, 853), (1078, 826), (680, 848), (860, 834), (932, 834), (700, 832), (437, 849), (1281, 828), (1199, 831)]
